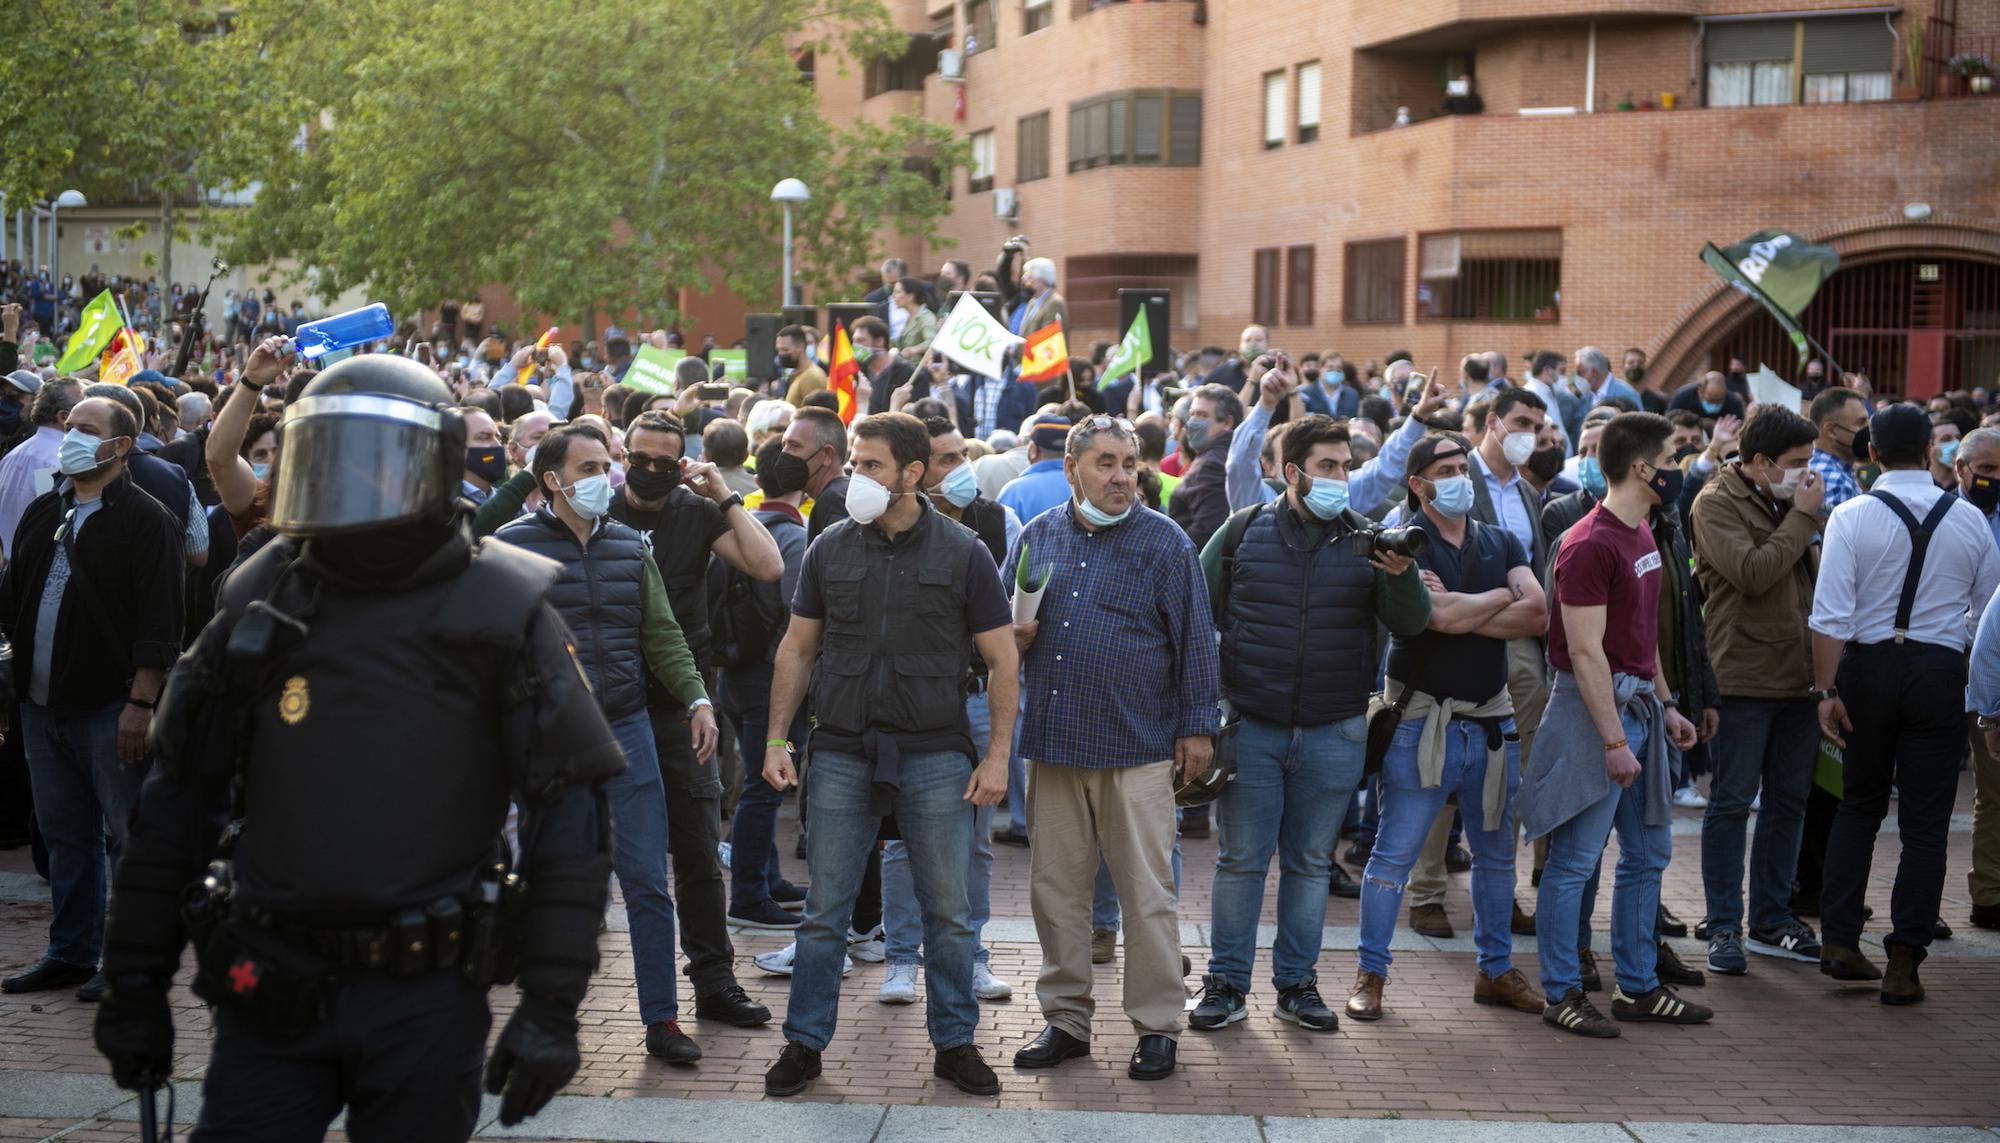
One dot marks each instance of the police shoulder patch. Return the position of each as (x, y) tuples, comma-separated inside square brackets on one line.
[(296, 701)]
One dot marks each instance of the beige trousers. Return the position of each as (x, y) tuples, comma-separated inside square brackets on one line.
[(1128, 813), (1983, 880)]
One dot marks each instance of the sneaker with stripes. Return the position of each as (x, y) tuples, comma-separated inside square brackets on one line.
[(1794, 940), (1660, 1006), (1575, 1013)]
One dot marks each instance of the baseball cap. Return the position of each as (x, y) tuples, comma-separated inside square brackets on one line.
[(27, 382)]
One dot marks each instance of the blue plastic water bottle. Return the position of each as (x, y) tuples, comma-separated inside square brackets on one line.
[(316, 339)]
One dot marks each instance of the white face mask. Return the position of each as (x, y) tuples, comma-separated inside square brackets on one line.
[(1518, 447), (866, 499), (1788, 486)]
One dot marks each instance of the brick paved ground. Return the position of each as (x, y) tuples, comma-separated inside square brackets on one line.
[(1787, 1046)]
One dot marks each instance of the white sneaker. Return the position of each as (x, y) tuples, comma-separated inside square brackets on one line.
[(780, 963), (987, 986), (1689, 798), (899, 985), (871, 946)]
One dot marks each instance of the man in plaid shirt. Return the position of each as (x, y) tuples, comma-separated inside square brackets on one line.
[(1121, 687), (1841, 416)]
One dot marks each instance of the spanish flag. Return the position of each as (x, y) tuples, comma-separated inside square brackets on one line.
[(1046, 355), (842, 372), (121, 358)]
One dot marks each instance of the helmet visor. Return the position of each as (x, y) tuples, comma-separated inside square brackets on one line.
[(355, 461)]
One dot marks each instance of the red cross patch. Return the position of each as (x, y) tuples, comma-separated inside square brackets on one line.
[(243, 977)]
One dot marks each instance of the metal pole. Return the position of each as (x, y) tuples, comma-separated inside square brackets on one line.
[(55, 263), (39, 260), (788, 257), (1590, 72)]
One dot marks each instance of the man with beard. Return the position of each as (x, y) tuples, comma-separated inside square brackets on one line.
[(807, 377)]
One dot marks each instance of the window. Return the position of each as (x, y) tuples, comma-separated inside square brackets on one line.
[(1374, 289), (1299, 285), (1036, 15), (1490, 275), (1274, 110), (981, 32), (1837, 59), (1141, 128), (907, 71), (1308, 101), (1031, 148), (982, 163), (1264, 287)]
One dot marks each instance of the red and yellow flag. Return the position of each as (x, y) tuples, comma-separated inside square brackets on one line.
[(121, 358), (1046, 355), (842, 371)]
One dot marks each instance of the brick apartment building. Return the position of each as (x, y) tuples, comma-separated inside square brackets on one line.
[(1248, 154)]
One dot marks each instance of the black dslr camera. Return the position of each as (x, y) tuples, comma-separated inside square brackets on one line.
[(1411, 542)]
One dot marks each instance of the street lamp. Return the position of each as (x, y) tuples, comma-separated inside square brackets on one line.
[(789, 191), (71, 198)]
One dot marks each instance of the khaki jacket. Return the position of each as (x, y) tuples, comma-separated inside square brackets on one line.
[(1756, 568)]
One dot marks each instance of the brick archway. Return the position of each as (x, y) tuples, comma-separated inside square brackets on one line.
[(1705, 319)]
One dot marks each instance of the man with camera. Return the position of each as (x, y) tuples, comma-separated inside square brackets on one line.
[(1298, 587), (1455, 734)]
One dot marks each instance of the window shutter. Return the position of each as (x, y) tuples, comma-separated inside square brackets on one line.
[(1274, 108), (1309, 95), (1749, 41), (1184, 139), (1849, 43), (1148, 120)]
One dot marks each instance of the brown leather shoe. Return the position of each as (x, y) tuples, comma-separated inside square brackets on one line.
[(1103, 946), (1843, 963), (1508, 990), (1365, 1002), (1431, 921), (1524, 924), (1901, 985)]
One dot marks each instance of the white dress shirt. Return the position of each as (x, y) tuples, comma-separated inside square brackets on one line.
[(1867, 553)]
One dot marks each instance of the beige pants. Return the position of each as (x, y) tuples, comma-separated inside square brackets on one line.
[(1128, 813), (1528, 687), (1983, 881)]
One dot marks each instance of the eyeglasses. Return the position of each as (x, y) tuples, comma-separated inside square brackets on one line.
[(1103, 421)]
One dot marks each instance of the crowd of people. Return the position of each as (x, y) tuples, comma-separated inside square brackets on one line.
[(1458, 617)]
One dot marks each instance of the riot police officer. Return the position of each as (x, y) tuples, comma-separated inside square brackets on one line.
[(373, 689)]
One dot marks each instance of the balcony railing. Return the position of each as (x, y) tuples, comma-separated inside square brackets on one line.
[(1080, 8)]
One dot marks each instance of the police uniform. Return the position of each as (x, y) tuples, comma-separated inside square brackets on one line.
[(361, 710)]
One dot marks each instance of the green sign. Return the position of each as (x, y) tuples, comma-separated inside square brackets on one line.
[(652, 370), (735, 362)]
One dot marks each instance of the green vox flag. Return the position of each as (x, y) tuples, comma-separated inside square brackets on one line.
[(94, 330), (1134, 351), (1783, 271)]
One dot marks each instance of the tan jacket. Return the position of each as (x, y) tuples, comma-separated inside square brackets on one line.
[(805, 382), (1757, 570)]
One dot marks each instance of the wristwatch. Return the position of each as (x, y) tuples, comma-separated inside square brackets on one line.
[(735, 501), (1818, 695), (698, 704), (784, 742)]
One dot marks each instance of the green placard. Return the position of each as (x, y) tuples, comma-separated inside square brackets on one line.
[(735, 362), (652, 370)]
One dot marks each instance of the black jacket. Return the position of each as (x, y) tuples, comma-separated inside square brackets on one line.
[(121, 609), (1201, 501), (189, 452)]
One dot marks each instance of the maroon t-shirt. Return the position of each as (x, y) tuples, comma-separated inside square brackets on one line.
[(1606, 564)]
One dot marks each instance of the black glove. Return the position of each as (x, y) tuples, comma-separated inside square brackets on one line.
[(135, 1031), (535, 1057)]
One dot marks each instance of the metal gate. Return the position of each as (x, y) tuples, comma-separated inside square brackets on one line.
[(1916, 326)]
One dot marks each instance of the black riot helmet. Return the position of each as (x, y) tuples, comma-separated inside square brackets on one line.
[(372, 442)]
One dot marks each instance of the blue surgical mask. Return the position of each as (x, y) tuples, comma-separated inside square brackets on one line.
[(1097, 517), (261, 471), (1335, 377), (1591, 474), (1452, 496), (78, 452), (1947, 452), (1711, 407), (961, 487), (1325, 497), (591, 496)]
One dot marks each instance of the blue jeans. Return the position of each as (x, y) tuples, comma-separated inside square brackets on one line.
[(1575, 847), (1773, 743), (1104, 893), (639, 858), (936, 822), (902, 920), (1291, 790), (753, 852), (1408, 811), (81, 787)]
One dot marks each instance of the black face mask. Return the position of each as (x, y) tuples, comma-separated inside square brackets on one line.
[(1983, 492), (783, 474), (653, 484), (488, 464), (1737, 380), (1685, 451), (1547, 464), (1860, 446), (1636, 374)]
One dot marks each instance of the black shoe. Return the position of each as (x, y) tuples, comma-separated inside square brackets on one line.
[(1985, 917), (1195, 825), (1357, 854), (797, 1066), (1670, 925), (1575, 1013), (1153, 1059), (1340, 884), (1671, 970), (1587, 964), (764, 915), (731, 1006), (1660, 1006), (47, 975), (963, 1067), (1051, 1048), (666, 1040), (1301, 1004), (789, 896), (1701, 930), (1457, 859), (1940, 931), (1221, 1005), (1010, 836), (93, 990)]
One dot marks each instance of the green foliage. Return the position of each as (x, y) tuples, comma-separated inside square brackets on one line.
[(586, 154)]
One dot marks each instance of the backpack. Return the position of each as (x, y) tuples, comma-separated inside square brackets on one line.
[(746, 618)]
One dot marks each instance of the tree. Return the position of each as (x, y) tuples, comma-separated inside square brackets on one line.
[(586, 154)]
